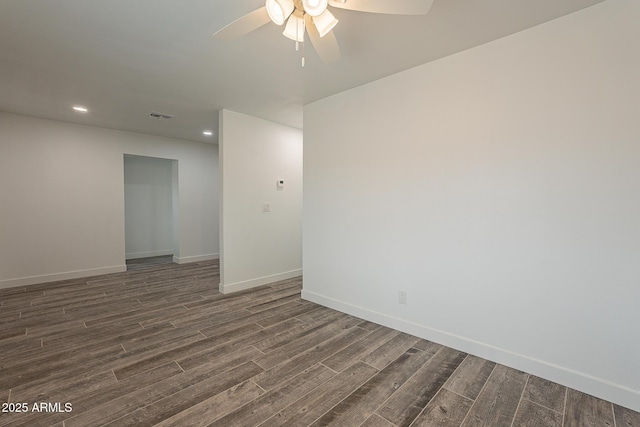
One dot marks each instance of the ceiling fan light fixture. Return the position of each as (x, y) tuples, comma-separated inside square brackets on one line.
[(314, 7), (279, 10), (295, 27), (325, 22)]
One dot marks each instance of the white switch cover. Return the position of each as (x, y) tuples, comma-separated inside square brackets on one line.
[(266, 207), (280, 183)]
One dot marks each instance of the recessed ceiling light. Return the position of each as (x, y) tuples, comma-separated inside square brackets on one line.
[(80, 109), (207, 133)]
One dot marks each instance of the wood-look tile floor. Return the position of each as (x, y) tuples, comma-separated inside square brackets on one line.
[(162, 346)]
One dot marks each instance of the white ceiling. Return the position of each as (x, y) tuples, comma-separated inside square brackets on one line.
[(126, 58)]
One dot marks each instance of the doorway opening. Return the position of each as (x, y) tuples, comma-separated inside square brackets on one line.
[(150, 207)]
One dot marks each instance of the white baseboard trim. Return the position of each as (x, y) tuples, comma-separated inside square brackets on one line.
[(137, 255), (198, 258), (259, 281), (586, 383), (34, 280)]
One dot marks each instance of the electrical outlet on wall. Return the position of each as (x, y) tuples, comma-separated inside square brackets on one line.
[(266, 207)]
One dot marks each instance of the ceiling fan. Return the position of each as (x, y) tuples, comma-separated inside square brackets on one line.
[(315, 18)]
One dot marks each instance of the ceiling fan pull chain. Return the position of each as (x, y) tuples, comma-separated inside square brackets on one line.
[(298, 37), (304, 29)]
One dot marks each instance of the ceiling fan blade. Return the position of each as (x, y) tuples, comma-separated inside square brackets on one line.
[(244, 25), (327, 46), (392, 7)]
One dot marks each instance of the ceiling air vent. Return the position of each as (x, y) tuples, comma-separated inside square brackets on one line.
[(160, 116)]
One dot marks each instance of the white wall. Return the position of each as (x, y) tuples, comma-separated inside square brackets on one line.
[(62, 198), (257, 247), (499, 188), (148, 207)]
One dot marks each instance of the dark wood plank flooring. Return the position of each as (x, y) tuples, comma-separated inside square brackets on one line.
[(159, 345), (151, 262)]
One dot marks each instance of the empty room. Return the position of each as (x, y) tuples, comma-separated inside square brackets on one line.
[(320, 212)]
